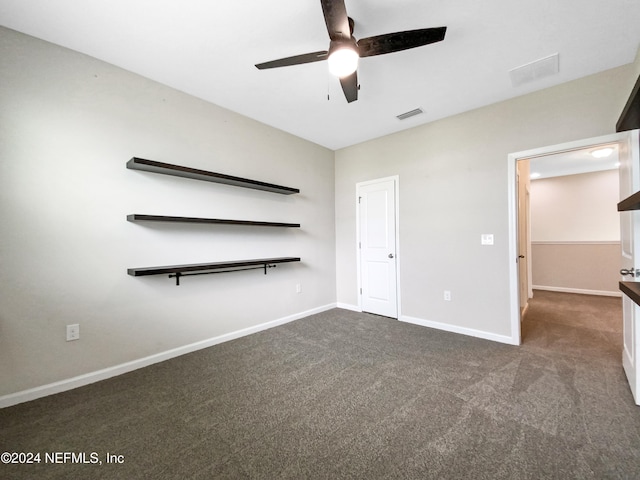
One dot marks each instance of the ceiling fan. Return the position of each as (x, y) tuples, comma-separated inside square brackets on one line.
[(345, 50)]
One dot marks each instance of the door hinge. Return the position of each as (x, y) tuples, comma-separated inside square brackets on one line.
[(360, 291), (359, 199), (359, 244)]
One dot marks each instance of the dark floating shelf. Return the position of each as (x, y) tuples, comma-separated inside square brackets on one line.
[(632, 290), (630, 203), (137, 217), (177, 271), (630, 116), (179, 171)]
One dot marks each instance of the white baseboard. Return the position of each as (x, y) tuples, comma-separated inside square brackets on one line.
[(348, 306), (462, 330), (580, 291), (92, 377)]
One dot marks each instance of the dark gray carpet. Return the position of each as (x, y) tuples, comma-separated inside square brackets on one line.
[(347, 395)]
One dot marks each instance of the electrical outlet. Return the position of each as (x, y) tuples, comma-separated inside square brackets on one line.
[(447, 295), (73, 332), (298, 288)]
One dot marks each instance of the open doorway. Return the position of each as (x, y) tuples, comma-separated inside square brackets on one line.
[(571, 243), (574, 223), (548, 159)]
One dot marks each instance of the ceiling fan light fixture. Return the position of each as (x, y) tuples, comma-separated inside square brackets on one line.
[(343, 60)]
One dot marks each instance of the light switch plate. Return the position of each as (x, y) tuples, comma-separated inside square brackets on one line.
[(486, 239), (73, 332)]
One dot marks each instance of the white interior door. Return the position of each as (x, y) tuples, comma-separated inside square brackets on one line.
[(630, 245), (377, 246)]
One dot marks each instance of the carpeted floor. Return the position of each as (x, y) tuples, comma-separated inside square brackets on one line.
[(348, 395)]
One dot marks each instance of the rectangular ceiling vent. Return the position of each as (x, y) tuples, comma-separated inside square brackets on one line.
[(412, 113), (536, 70)]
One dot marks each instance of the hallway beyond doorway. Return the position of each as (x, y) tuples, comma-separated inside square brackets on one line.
[(572, 323)]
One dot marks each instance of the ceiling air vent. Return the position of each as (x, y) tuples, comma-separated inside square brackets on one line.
[(530, 72), (412, 113)]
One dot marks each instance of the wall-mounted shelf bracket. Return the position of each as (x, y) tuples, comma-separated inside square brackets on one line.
[(179, 271), (179, 275)]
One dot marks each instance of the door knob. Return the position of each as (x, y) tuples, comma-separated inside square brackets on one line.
[(391, 255), (631, 272)]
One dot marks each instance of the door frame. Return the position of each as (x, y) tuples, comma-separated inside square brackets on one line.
[(524, 235), (396, 187), (512, 158)]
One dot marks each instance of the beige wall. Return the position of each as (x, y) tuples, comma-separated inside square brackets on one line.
[(68, 125), (576, 208), (454, 187), (589, 267)]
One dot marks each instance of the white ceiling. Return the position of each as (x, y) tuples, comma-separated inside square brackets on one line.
[(573, 162), (208, 48)]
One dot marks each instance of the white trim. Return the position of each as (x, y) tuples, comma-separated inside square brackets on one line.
[(396, 184), (575, 242), (461, 330), (92, 377), (514, 295), (512, 158), (348, 306), (581, 291)]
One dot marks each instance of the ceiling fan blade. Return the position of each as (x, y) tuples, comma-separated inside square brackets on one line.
[(335, 16), (295, 60), (398, 41), (350, 87)]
